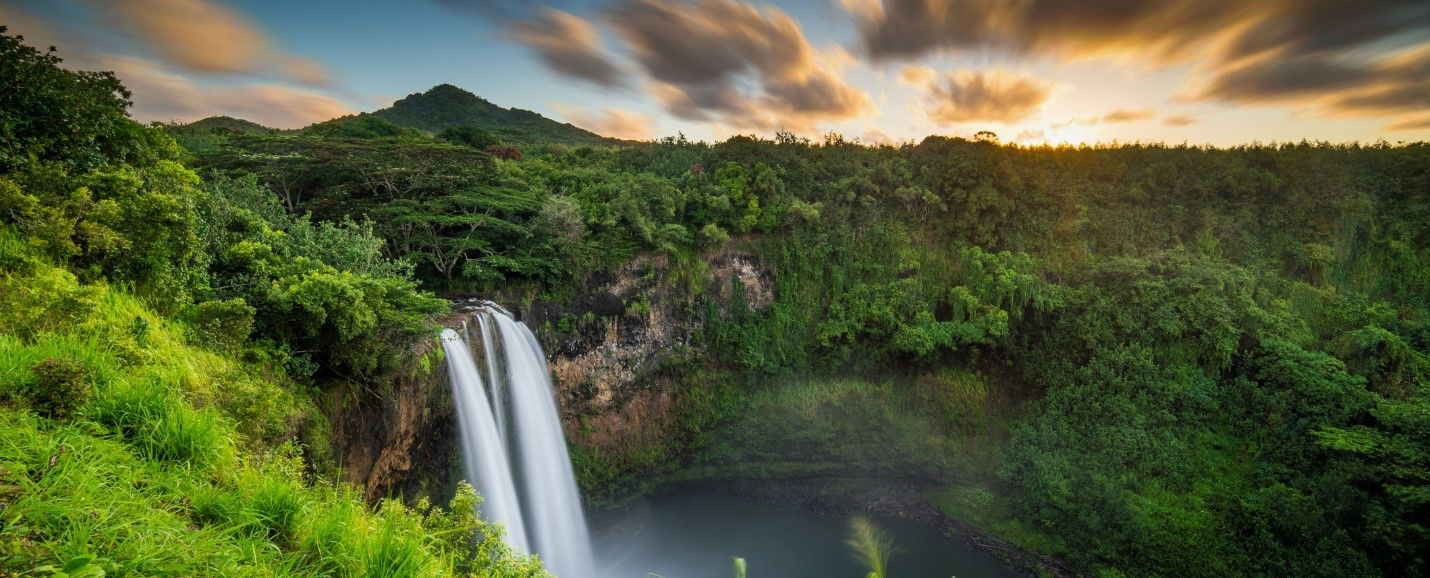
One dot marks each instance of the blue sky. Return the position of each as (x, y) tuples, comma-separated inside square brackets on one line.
[(889, 70)]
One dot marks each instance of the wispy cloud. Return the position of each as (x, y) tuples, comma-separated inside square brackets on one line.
[(1420, 122), (1331, 56), (570, 46), (208, 37), (978, 95), (163, 96), (1179, 120), (730, 62), (611, 122), (161, 93)]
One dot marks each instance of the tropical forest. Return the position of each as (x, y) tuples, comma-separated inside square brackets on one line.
[(256, 323)]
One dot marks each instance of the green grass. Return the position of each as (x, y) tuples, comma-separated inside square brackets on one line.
[(990, 512), (173, 468)]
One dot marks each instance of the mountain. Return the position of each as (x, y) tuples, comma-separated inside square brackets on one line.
[(441, 107), (444, 106), (363, 125), (222, 125)]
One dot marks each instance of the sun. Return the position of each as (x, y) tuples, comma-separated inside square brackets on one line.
[(1071, 135)]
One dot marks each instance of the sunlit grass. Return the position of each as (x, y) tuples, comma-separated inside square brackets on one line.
[(871, 546), (171, 468)]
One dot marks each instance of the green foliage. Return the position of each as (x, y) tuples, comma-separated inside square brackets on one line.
[(87, 185), (445, 106), (224, 324), (870, 545), (1145, 360), (324, 288), (360, 126), (61, 386), (469, 135), (41, 105), (175, 491), (120, 274)]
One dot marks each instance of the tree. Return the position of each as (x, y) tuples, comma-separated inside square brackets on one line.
[(469, 135)]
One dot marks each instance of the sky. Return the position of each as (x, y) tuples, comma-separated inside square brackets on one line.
[(1220, 72)]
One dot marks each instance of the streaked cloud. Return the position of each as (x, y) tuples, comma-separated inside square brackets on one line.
[(730, 62), (1128, 115), (917, 75), (160, 95), (611, 122), (1419, 122), (1329, 55), (1392, 85), (978, 95), (1031, 135), (570, 46), (1118, 116), (1179, 120), (209, 37)]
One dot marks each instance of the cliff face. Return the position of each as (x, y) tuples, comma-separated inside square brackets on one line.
[(381, 437), (604, 348)]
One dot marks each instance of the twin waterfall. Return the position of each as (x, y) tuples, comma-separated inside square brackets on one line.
[(512, 445)]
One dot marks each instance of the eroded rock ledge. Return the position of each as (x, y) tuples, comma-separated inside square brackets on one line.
[(602, 348)]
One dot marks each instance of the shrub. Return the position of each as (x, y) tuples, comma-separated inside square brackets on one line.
[(469, 135), (223, 324), (49, 300), (61, 386)]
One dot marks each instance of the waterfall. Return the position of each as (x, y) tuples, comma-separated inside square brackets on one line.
[(495, 384), (487, 465), (524, 429)]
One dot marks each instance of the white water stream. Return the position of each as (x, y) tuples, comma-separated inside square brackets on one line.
[(512, 442)]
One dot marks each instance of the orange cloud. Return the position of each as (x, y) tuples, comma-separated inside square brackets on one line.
[(969, 95), (1421, 122), (1128, 115), (611, 122), (162, 96), (703, 55), (1179, 120), (917, 75), (1332, 56), (208, 37)]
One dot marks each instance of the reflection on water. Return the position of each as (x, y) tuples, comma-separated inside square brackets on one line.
[(693, 534)]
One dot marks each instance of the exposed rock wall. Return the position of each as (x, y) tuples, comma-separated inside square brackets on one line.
[(397, 438), (606, 346), (603, 347)]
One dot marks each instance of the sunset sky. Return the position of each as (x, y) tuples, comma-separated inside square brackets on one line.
[(1199, 71)]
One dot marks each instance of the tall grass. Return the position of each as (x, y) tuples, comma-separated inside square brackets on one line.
[(151, 477), (393, 552), (871, 546)]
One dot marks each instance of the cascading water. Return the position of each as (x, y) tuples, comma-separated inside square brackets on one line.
[(524, 427), (486, 458), (494, 374), (558, 526)]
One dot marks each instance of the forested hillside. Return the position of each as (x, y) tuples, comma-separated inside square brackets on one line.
[(1169, 359), (163, 340), (1141, 360), (444, 107)]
